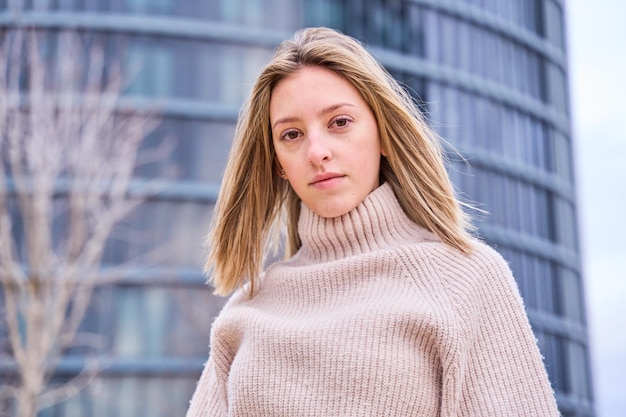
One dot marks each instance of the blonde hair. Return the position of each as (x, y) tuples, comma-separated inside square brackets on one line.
[(253, 197)]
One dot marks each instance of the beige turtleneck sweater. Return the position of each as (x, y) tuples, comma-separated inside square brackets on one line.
[(374, 316)]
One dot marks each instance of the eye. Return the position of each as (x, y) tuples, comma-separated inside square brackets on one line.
[(290, 135), (341, 121)]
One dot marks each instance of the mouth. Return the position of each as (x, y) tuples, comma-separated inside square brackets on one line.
[(324, 179)]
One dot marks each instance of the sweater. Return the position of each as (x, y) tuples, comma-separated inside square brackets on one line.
[(375, 316)]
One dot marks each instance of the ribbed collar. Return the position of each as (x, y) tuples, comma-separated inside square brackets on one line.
[(378, 222)]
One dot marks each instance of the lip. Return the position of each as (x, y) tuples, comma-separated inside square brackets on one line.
[(326, 179)]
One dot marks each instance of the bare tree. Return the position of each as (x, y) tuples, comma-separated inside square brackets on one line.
[(67, 158)]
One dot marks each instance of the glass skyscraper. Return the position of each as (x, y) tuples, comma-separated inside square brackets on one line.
[(492, 76)]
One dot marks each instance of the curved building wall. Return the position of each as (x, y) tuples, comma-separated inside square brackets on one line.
[(492, 75)]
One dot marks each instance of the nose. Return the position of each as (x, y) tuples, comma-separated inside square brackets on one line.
[(318, 151)]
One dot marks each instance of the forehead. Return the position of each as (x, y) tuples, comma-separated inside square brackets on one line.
[(312, 86)]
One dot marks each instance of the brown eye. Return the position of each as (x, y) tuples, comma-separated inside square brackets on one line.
[(290, 135), (341, 122)]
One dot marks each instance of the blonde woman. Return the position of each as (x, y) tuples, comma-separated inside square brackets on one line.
[(385, 305)]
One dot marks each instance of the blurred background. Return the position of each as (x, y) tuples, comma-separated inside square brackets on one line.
[(596, 37), (526, 90)]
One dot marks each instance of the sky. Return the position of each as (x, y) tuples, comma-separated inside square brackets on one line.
[(597, 76)]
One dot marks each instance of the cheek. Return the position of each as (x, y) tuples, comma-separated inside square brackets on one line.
[(293, 174)]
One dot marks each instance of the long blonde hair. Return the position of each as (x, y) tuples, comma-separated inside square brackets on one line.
[(253, 197)]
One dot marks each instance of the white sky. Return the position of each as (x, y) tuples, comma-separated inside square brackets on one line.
[(597, 62)]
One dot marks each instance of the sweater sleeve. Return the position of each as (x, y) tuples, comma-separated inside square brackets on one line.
[(500, 370), (209, 399)]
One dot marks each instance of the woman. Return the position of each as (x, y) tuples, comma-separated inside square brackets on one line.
[(385, 305)]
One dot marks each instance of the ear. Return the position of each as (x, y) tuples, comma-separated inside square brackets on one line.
[(383, 151), (279, 169)]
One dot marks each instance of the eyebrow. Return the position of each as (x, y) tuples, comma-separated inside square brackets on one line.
[(329, 109)]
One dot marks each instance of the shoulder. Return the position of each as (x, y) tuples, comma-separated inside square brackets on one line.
[(238, 298), (486, 280), (484, 261), (481, 259), (481, 271)]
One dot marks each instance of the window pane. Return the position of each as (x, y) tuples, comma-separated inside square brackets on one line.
[(562, 155), (554, 23), (572, 295), (566, 224), (579, 378)]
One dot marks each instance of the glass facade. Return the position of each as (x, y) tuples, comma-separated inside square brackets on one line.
[(492, 75)]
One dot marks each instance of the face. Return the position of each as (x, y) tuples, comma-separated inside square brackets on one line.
[(326, 140)]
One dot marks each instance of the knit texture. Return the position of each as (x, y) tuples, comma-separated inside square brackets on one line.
[(374, 316)]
